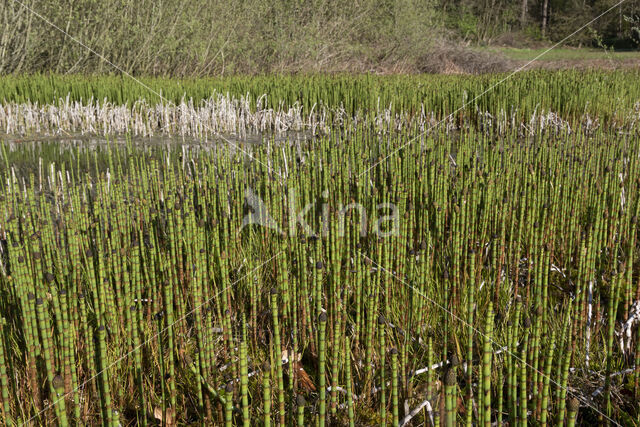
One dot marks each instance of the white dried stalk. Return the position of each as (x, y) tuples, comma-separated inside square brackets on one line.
[(223, 114)]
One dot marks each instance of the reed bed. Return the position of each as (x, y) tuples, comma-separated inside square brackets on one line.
[(569, 93), (474, 277), (56, 104), (222, 115)]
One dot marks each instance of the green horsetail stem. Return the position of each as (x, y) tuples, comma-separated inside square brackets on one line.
[(336, 358), (522, 381), (512, 368), (486, 365), (266, 393), (300, 404), (57, 395), (277, 353), (322, 386), (611, 316), (394, 384), (163, 400), (138, 364), (564, 379), (169, 326), (572, 415), (244, 383), (470, 310), (349, 379), (430, 372), (450, 384), (4, 379), (106, 389), (546, 387), (526, 200), (383, 378), (637, 363), (228, 408), (69, 355), (500, 401)]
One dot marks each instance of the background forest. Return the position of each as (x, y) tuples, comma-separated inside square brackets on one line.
[(196, 38)]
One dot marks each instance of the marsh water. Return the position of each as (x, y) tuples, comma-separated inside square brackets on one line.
[(25, 155)]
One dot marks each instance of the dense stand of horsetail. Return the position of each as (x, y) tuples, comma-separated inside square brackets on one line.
[(357, 250)]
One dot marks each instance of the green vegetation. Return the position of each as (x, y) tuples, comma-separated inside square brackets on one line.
[(185, 38), (489, 269), (567, 54), (568, 93)]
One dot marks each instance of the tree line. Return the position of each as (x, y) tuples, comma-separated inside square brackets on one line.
[(193, 38)]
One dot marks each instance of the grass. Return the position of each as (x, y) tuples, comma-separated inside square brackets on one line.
[(567, 54), (363, 92), (202, 107), (488, 268)]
